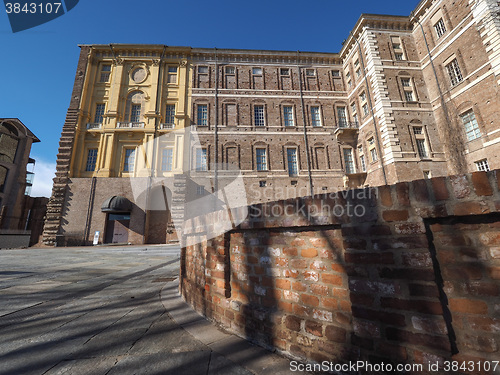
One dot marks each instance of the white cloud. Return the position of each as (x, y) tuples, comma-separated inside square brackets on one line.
[(44, 173)]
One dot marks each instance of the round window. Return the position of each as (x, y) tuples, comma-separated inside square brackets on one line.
[(139, 75)]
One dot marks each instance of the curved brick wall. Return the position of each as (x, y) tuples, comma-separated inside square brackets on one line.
[(413, 278)]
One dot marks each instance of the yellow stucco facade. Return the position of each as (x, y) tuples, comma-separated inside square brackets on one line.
[(132, 95)]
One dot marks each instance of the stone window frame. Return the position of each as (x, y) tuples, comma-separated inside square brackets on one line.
[(319, 114), (169, 104), (256, 73), (372, 149), (227, 70), (167, 160), (343, 150), (104, 73), (397, 47), (99, 111), (91, 160), (296, 161), (440, 27), (253, 107), (291, 121), (197, 107), (201, 160), (286, 74), (124, 162), (454, 70), (171, 74), (476, 129), (256, 163), (225, 119), (361, 158), (482, 165)]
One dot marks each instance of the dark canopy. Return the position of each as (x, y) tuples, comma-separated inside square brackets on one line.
[(116, 204)]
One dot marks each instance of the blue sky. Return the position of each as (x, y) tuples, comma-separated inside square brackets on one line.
[(38, 64)]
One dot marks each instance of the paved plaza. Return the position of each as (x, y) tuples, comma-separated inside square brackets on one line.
[(107, 311)]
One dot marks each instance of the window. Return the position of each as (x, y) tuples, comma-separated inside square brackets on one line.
[(91, 160), (354, 113), (291, 156), (284, 71), (99, 112), (310, 72), (365, 109), (348, 161), (363, 96), (315, 116), (258, 111), (417, 130), (440, 28), (203, 69), (135, 113), (202, 115), (362, 161), (262, 183), (372, 149), (348, 79), (172, 74), (288, 115), (471, 127), (200, 190), (454, 72), (342, 117), (257, 71), (427, 174), (201, 159), (358, 73), (166, 159), (170, 114), (409, 96), (129, 160), (397, 47), (105, 73), (230, 70), (261, 159), (335, 73), (405, 82), (482, 165), (422, 151)]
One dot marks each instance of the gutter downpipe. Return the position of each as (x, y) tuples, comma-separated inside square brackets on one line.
[(308, 157), (216, 132), (371, 107)]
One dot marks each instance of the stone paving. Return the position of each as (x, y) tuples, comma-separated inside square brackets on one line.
[(99, 310)]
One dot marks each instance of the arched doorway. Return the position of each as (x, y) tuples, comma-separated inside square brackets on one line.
[(117, 209)]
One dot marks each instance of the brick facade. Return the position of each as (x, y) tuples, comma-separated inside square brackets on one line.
[(406, 273), (406, 98)]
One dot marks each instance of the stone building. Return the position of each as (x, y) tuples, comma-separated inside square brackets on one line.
[(406, 98), (19, 213)]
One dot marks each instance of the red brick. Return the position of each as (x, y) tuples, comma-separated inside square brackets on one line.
[(361, 342), (293, 323), (425, 274), (321, 290), (425, 307), (285, 306), (367, 230), (298, 264), (310, 300), (362, 299), (331, 279), (335, 334), (354, 244), (440, 189), (395, 215), (369, 258), (392, 351), (290, 251), (299, 286), (483, 323), (482, 288), (463, 271), (438, 342), (470, 208), (379, 316), (314, 328), (481, 184), (384, 193), (468, 306), (329, 303), (298, 242), (494, 272), (420, 192), (283, 284), (402, 191), (309, 253), (423, 290)]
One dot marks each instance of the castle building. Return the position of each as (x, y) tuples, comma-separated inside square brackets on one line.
[(406, 98)]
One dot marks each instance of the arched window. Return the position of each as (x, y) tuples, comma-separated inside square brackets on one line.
[(134, 111)]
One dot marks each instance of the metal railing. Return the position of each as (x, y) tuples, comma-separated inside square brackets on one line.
[(94, 125), (130, 125), (348, 124)]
